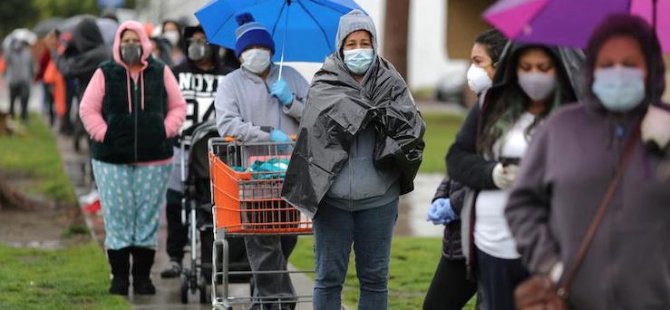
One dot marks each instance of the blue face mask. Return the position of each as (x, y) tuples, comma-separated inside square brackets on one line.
[(620, 89), (358, 60)]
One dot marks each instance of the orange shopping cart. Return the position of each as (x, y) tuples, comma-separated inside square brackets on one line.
[(246, 182)]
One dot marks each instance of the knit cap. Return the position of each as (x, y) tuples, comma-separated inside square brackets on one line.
[(352, 22), (251, 33)]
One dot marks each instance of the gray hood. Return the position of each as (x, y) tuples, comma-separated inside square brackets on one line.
[(641, 31), (354, 21)]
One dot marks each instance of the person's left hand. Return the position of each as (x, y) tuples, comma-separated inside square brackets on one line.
[(440, 212), (280, 90), (538, 292)]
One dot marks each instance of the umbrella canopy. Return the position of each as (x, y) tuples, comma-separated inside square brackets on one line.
[(571, 22), (69, 24), (304, 30), (45, 26), (21, 34)]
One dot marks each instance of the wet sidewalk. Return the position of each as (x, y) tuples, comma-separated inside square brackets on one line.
[(168, 290)]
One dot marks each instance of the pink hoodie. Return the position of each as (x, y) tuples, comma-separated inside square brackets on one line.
[(90, 109)]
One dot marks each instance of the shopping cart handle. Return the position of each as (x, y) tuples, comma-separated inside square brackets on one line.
[(293, 137), (229, 139)]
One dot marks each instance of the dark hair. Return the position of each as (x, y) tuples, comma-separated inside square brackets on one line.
[(509, 101), (494, 42), (637, 28), (174, 22)]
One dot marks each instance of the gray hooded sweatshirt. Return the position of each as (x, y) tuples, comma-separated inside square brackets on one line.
[(562, 180), (360, 185), (20, 69), (244, 105)]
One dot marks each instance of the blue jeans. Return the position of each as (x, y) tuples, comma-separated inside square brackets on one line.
[(370, 231)]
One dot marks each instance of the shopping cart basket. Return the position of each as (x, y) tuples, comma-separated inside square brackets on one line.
[(246, 183)]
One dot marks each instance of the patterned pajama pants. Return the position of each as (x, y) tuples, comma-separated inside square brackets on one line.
[(131, 198)]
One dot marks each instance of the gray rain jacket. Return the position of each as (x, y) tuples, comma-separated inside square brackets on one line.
[(338, 109)]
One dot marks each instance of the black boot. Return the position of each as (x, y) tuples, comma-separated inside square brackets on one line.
[(119, 260), (143, 259)]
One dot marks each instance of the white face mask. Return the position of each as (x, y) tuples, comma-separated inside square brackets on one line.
[(478, 80), (537, 85), (172, 36), (358, 60), (620, 89), (256, 60)]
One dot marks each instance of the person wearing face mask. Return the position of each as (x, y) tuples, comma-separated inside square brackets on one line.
[(255, 104), (359, 148), (198, 79), (485, 56), (451, 288), (171, 31), (132, 108), (571, 165), (531, 82)]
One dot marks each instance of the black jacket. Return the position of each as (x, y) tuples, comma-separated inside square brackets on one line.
[(137, 135), (338, 108), (86, 52), (451, 239)]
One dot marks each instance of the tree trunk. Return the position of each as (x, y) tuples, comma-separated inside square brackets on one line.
[(396, 26), (11, 199)]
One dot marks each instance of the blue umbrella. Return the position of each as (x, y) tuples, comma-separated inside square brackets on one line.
[(304, 30)]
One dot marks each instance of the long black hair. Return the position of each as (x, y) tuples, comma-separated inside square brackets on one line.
[(494, 42), (506, 101)]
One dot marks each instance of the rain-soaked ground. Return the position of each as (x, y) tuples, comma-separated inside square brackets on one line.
[(413, 207)]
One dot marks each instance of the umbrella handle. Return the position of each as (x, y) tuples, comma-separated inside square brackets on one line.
[(283, 43)]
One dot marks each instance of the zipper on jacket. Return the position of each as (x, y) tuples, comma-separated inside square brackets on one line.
[(136, 117), (351, 174)]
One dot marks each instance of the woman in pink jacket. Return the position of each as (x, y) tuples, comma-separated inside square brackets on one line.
[(131, 108)]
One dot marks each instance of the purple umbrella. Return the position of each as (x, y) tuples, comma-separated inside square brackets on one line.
[(571, 22)]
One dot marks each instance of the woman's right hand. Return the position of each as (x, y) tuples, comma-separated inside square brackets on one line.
[(504, 175)]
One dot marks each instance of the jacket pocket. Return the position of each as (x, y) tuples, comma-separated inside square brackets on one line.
[(360, 179), (150, 131), (119, 131)]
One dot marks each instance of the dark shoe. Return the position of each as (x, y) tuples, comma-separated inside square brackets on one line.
[(143, 259), (143, 286), (119, 286), (172, 271), (119, 260)]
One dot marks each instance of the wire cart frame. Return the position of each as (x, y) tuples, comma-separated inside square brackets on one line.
[(246, 182)]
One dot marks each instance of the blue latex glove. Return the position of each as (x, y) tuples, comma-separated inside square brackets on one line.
[(440, 212), (279, 136), (282, 92)]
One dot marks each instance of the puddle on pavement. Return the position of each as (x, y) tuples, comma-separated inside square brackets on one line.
[(42, 245), (413, 208)]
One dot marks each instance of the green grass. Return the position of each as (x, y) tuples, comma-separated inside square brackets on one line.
[(34, 152), (413, 263), (75, 277), (71, 278), (441, 128)]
